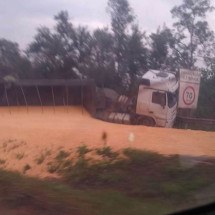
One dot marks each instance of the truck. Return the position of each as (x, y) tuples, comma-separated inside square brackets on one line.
[(154, 104)]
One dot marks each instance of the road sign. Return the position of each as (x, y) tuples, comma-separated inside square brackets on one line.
[(189, 89), (189, 95)]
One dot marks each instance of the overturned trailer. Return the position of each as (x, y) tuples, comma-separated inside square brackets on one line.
[(52, 92)]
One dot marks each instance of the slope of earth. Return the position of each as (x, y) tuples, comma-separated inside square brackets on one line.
[(26, 136)]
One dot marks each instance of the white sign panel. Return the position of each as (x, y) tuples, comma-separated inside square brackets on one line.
[(189, 89)]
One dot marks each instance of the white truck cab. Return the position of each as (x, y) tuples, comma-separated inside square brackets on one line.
[(157, 98)]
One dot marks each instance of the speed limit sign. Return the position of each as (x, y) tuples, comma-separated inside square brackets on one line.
[(189, 95), (189, 89)]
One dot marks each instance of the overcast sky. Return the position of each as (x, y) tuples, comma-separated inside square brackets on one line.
[(19, 19)]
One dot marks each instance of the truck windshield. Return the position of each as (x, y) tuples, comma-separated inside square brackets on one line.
[(172, 99)]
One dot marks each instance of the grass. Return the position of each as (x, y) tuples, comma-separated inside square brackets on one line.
[(127, 182), (48, 197), (19, 156), (83, 150), (107, 153), (47, 152), (40, 159), (60, 163), (2, 161), (62, 155), (52, 167), (26, 168), (140, 174)]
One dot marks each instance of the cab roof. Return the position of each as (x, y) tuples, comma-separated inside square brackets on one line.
[(160, 80)]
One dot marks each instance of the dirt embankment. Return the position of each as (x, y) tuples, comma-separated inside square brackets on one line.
[(25, 136)]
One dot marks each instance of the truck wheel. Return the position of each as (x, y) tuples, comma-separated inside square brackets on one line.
[(147, 121)]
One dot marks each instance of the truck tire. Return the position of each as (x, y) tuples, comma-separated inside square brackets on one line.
[(147, 121)]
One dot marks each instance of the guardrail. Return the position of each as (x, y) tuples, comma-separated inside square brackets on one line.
[(196, 120), (195, 123)]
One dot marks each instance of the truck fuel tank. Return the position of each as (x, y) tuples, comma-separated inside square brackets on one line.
[(122, 118)]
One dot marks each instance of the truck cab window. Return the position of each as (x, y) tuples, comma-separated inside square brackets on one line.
[(172, 99), (159, 98)]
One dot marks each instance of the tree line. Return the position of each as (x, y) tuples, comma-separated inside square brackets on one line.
[(118, 56)]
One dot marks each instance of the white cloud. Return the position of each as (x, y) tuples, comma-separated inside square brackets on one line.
[(91, 24), (20, 18)]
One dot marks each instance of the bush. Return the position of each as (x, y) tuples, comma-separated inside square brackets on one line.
[(138, 157), (83, 150), (26, 168), (62, 155), (107, 153)]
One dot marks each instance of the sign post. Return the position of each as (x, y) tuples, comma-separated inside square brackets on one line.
[(189, 89)]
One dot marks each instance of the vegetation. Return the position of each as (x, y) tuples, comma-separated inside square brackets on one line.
[(116, 58), (62, 155), (26, 168), (23, 195), (130, 182), (192, 30), (82, 151), (206, 105), (40, 159), (154, 173), (19, 156), (2, 161)]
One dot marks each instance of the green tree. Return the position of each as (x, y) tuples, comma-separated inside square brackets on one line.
[(43, 52), (53, 53), (162, 45), (192, 30), (209, 58), (12, 61), (63, 52), (83, 49), (137, 53), (102, 59), (206, 104), (77, 44), (121, 21)]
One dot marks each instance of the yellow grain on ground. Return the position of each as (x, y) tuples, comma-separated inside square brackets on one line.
[(25, 135)]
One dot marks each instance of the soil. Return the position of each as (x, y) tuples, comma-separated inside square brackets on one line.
[(27, 134)]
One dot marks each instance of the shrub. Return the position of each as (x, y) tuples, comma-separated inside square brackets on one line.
[(26, 168), (2, 161), (40, 159), (138, 157), (62, 155), (83, 150), (107, 153), (19, 156)]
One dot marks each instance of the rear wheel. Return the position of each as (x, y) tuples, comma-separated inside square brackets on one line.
[(147, 121)]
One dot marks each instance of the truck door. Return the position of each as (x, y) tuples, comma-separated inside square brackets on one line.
[(158, 107)]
